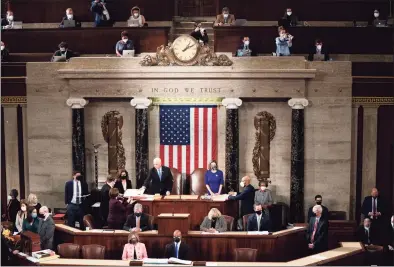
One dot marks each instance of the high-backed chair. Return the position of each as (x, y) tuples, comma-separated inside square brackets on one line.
[(245, 220), (197, 182), (337, 215), (229, 221), (69, 251), (93, 252), (177, 184), (88, 221), (245, 254), (151, 221)]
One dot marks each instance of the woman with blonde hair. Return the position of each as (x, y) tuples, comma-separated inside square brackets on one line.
[(134, 250), (214, 222), (32, 201)]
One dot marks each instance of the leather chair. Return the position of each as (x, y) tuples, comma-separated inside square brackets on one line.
[(245, 221), (88, 221), (229, 221), (93, 252), (69, 251), (177, 184), (151, 221), (197, 182), (245, 254)]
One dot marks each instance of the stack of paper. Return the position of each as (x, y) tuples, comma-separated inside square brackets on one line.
[(132, 193), (258, 233), (178, 261), (220, 198), (155, 261)]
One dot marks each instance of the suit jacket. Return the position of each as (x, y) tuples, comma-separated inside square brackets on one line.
[(198, 36), (117, 213), (153, 183), (77, 22), (220, 19), (321, 236), (367, 206), (324, 214), (46, 231), (119, 185), (128, 251), (183, 251), (324, 51), (131, 222), (220, 226), (362, 235), (288, 21), (104, 202), (12, 208), (247, 200), (265, 223), (253, 50), (69, 190), (69, 54), (5, 22)]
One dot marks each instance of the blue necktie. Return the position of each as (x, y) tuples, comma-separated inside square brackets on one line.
[(176, 250), (159, 171)]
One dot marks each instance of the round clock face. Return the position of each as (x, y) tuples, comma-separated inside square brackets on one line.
[(185, 48)]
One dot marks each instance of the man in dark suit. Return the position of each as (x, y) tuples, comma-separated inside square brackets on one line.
[(138, 221), (365, 233), (317, 232), (246, 197), (75, 192), (104, 195), (13, 206), (8, 21), (70, 16), (46, 229), (63, 52), (159, 180), (177, 249), (319, 49), (389, 259), (324, 215), (374, 207), (289, 19), (259, 221)]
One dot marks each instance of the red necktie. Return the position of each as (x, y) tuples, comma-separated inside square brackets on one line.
[(314, 230)]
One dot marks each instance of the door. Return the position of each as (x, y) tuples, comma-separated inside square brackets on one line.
[(197, 8)]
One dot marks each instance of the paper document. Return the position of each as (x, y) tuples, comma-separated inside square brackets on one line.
[(178, 261), (132, 193), (32, 259), (96, 205), (155, 261), (319, 257), (220, 197), (95, 230), (258, 233), (211, 264), (297, 227)]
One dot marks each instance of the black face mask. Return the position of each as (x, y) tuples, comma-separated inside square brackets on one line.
[(123, 177), (214, 219), (79, 178), (318, 202), (258, 212), (138, 214), (177, 239), (133, 241)]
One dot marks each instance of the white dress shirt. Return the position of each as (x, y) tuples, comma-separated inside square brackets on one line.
[(74, 199), (258, 217)]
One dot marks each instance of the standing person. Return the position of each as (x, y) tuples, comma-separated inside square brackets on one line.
[(288, 19), (31, 222), (159, 180), (124, 44), (318, 201), (21, 216), (46, 229), (75, 192), (264, 196), (283, 43), (214, 179), (32, 201), (317, 232), (123, 183), (177, 248), (117, 211), (246, 196), (13, 206), (104, 193), (101, 14)]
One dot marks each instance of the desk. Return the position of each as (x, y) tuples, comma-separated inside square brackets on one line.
[(84, 40), (198, 208), (339, 40)]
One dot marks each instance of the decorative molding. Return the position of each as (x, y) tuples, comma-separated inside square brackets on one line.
[(13, 100), (140, 102), (186, 101), (372, 101), (298, 103), (76, 102), (232, 103)]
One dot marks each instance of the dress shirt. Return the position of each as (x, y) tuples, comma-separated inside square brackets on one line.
[(177, 245), (74, 199), (160, 172), (318, 51), (138, 222), (374, 204), (258, 217), (367, 233), (124, 184)]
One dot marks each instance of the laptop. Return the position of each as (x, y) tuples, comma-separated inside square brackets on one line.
[(318, 57), (241, 22), (69, 23), (128, 53), (380, 23), (133, 23), (17, 25), (59, 59), (243, 53)]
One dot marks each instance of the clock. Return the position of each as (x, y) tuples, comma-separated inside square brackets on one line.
[(185, 49)]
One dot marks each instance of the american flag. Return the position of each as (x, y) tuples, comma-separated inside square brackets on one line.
[(188, 136)]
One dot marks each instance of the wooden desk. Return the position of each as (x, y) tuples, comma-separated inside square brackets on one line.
[(84, 40), (339, 40), (169, 222), (197, 208)]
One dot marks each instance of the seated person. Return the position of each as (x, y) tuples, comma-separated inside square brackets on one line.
[(214, 179), (225, 19), (4, 52), (63, 52), (123, 183), (283, 43), (263, 196), (288, 20), (70, 16), (124, 44), (134, 250), (177, 249), (136, 19), (138, 221), (214, 222), (319, 49), (376, 19), (200, 34), (259, 221), (366, 234), (117, 211), (318, 200), (46, 229), (31, 222), (21, 216), (245, 48), (8, 21), (101, 14)]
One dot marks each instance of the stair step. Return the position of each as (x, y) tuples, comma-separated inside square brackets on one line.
[(189, 31), (182, 19), (191, 24)]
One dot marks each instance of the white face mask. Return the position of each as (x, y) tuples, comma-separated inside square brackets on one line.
[(136, 15), (318, 47), (10, 17), (263, 188), (197, 29), (70, 16), (23, 208), (242, 184), (125, 40), (225, 15), (202, 30), (289, 13), (9, 197), (62, 49), (246, 43), (2, 47), (376, 14)]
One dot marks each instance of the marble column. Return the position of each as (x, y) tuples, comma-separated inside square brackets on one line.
[(232, 143), (78, 133), (141, 138), (297, 160), (353, 180)]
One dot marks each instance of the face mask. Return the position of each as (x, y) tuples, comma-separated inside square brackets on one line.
[(242, 184), (69, 16), (214, 167), (202, 30), (318, 202), (376, 15), (366, 227), (11, 17), (2, 47), (225, 15), (123, 177), (258, 212), (136, 15), (64, 49), (80, 176), (318, 47), (125, 40), (23, 208), (34, 215), (177, 239), (9, 197), (138, 214), (289, 13), (263, 188), (133, 241), (197, 29), (246, 43)]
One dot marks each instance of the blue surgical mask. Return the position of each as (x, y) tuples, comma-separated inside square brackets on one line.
[(34, 215)]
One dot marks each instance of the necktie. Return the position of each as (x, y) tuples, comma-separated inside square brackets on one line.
[(138, 223), (373, 205), (258, 223), (78, 198), (314, 230), (367, 233), (159, 171), (135, 252), (176, 250)]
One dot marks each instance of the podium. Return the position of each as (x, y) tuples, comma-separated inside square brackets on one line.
[(169, 222)]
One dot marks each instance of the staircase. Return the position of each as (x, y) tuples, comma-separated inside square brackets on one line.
[(183, 25)]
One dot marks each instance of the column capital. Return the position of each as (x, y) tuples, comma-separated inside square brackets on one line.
[(298, 103), (77, 103), (140, 102), (232, 103)]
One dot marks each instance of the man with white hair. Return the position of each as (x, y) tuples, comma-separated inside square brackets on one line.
[(138, 221), (317, 232), (46, 229), (159, 180)]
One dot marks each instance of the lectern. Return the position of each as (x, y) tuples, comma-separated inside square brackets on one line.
[(169, 222)]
